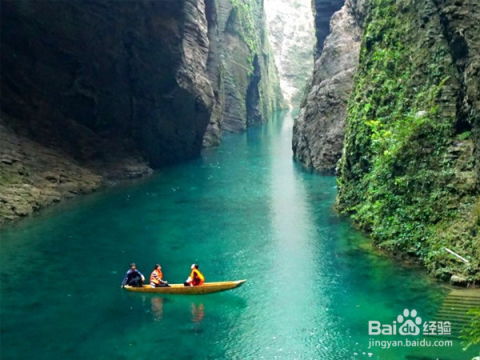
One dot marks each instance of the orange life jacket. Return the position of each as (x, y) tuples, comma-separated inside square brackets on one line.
[(197, 277), (156, 277)]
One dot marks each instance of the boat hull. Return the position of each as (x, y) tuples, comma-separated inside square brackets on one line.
[(180, 289)]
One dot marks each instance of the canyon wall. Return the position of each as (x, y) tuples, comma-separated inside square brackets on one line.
[(319, 128), (293, 44), (99, 91), (241, 67), (409, 174), (395, 95)]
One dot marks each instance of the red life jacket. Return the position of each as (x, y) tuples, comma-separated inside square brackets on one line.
[(156, 277), (197, 277)]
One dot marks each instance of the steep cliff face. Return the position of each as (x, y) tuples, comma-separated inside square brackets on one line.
[(293, 44), (319, 128), (117, 88), (323, 11), (76, 75), (241, 67), (409, 173)]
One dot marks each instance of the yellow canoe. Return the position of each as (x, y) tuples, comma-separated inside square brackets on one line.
[(206, 288)]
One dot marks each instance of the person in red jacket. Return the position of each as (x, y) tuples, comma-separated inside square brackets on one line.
[(156, 277), (196, 278)]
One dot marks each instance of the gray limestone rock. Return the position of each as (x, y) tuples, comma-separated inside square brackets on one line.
[(319, 127)]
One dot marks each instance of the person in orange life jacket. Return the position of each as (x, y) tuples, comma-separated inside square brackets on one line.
[(196, 277), (133, 277), (156, 277)]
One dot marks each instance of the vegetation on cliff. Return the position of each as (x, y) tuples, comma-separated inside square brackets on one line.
[(471, 333), (245, 11), (409, 170), (249, 89)]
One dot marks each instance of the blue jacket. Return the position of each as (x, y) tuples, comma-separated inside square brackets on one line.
[(131, 274)]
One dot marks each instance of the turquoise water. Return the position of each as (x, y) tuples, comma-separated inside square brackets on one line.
[(244, 210)]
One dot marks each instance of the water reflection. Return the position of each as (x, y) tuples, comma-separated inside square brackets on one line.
[(158, 310), (198, 312), (157, 307)]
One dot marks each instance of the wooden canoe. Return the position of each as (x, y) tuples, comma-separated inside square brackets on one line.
[(206, 288)]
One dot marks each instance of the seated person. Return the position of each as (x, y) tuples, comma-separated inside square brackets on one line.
[(133, 277), (156, 277), (196, 278)]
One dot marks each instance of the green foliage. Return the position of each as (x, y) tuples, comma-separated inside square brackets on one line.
[(471, 333), (398, 178), (246, 10), (464, 136)]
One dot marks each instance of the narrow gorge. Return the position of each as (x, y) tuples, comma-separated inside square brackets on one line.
[(157, 82), (293, 44), (101, 91), (322, 154)]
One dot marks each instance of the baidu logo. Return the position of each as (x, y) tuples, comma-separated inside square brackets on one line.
[(409, 323)]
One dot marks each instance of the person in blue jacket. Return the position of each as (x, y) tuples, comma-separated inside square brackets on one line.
[(133, 277)]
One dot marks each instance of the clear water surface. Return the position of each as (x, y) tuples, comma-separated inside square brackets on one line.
[(242, 211)]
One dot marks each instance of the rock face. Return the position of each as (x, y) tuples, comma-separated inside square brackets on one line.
[(293, 44), (119, 87), (77, 74), (409, 172), (319, 127), (323, 11), (33, 176), (241, 67)]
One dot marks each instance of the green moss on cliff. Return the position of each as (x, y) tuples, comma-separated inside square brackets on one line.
[(407, 174), (247, 12), (251, 81)]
